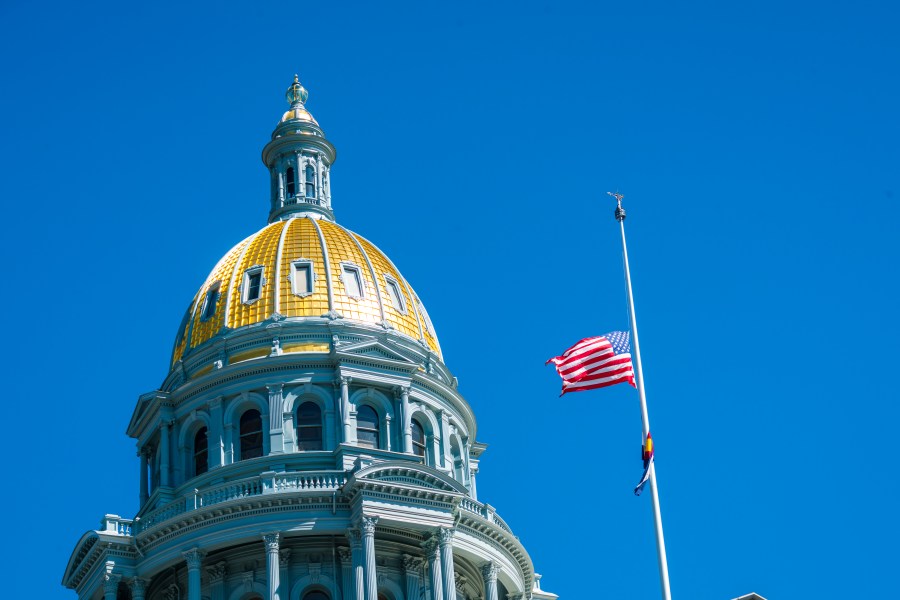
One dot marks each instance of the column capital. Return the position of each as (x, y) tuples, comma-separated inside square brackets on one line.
[(345, 554), (412, 563), (216, 402), (217, 572), (138, 586), (355, 537), (444, 535), (275, 388), (489, 571), (367, 524), (193, 557), (111, 582), (284, 558), (271, 541), (431, 546)]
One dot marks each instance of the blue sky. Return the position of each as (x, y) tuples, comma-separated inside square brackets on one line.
[(757, 146)]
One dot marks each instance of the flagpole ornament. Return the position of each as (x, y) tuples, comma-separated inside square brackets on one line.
[(620, 212)]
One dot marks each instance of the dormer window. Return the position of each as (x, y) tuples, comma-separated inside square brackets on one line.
[(396, 296), (302, 277), (209, 303), (291, 182), (310, 182), (251, 288), (353, 281)]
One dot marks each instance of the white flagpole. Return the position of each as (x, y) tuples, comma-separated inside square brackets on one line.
[(639, 376)]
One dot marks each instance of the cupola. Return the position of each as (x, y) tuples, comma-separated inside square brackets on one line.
[(299, 160)]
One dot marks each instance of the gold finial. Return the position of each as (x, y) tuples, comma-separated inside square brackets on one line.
[(617, 196), (296, 94), (620, 212)]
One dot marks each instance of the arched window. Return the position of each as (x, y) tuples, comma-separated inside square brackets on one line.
[(418, 439), (309, 426), (315, 595), (251, 434), (201, 452), (291, 182), (367, 427), (310, 182)]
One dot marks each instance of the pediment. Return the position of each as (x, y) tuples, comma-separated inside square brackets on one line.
[(412, 475), (374, 349)]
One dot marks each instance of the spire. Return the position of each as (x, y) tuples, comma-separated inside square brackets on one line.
[(299, 159)]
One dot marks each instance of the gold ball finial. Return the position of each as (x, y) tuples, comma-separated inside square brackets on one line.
[(296, 94)]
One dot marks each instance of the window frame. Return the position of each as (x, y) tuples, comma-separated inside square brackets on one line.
[(319, 425), (376, 430), (241, 435), (423, 445), (429, 326), (390, 281), (205, 314), (290, 180), (311, 277), (346, 267), (309, 182), (245, 283), (205, 430)]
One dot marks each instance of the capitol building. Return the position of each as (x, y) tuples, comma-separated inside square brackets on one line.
[(308, 441)]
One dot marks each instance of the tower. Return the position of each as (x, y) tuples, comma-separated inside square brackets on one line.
[(308, 442)]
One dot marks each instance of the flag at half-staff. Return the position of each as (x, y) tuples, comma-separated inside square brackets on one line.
[(595, 362)]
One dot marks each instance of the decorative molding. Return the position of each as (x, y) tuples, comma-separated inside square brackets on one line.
[(216, 573), (193, 557), (271, 541), (284, 558), (413, 564)]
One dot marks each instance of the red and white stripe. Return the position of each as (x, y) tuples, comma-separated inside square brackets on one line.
[(592, 363)]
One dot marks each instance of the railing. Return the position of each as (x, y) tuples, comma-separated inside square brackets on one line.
[(485, 511), (267, 483), (115, 525)]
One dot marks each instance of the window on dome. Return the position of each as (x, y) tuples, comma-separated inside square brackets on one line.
[(201, 452), (309, 427), (310, 182), (418, 439), (251, 435), (209, 303), (253, 282), (302, 277), (353, 282), (367, 427), (182, 328), (291, 182), (428, 325), (395, 294)]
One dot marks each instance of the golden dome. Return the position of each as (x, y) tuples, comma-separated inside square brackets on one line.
[(282, 253)]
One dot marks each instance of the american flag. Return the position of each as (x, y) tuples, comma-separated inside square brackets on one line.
[(596, 362)]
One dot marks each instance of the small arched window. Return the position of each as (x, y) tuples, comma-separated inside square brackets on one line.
[(201, 452), (367, 427), (251, 435), (310, 182), (418, 439), (309, 427), (291, 182), (315, 595)]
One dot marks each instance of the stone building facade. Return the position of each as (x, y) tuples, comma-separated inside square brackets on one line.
[(308, 443)]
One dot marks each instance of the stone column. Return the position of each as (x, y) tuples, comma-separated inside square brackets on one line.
[(138, 588), (276, 425), (215, 575), (359, 578), (271, 542), (143, 482), (164, 454), (216, 434), (284, 565), (193, 558), (407, 420), (433, 553), (412, 573), (445, 540), (346, 571), (110, 582), (345, 410), (489, 571), (367, 524)]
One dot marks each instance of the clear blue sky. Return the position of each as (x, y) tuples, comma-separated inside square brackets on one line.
[(757, 146)]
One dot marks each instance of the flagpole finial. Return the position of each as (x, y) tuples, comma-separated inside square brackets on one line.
[(620, 212)]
